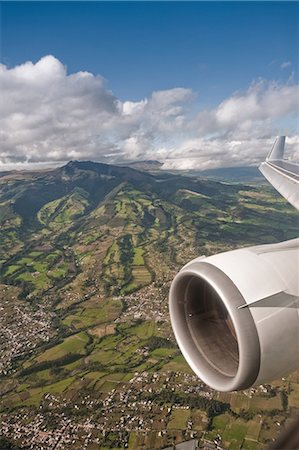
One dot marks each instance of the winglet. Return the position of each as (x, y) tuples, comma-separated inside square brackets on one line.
[(277, 150), (282, 174)]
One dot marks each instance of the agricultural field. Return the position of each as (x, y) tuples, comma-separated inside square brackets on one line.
[(92, 313), (61, 213), (88, 255), (178, 419), (38, 269)]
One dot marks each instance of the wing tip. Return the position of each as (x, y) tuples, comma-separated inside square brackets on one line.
[(277, 150)]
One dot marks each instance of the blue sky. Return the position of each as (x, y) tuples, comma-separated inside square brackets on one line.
[(213, 48), (232, 60)]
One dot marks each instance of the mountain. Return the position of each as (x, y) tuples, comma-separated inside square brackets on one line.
[(88, 252), (145, 166)]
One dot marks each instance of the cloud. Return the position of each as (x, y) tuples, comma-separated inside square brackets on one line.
[(50, 116), (263, 101), (46, 114), (206, 153), (285, 65)]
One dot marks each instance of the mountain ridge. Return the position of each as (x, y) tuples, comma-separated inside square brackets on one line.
[(88, 251)]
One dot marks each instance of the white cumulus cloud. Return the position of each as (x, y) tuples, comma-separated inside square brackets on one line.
[(50, 116)]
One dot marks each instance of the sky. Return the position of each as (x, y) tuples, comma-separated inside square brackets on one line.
[(195, 85)]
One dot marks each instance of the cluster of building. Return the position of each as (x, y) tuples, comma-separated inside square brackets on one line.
[(22, 328), (93, 418), (148, 303)]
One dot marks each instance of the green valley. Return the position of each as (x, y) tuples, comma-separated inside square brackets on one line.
[(88, 358)]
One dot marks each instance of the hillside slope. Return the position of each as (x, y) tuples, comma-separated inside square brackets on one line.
[(88, 252)]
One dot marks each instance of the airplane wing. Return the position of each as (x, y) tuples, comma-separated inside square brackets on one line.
[(282, 174)]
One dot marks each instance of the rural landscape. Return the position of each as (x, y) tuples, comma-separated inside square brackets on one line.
[(88, 357)]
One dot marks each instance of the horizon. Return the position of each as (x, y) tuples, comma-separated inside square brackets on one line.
[(47, 166)]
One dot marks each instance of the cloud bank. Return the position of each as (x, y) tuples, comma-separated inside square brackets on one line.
[(48, 116)]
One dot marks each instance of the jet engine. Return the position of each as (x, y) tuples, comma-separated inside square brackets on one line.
[(235, 315)]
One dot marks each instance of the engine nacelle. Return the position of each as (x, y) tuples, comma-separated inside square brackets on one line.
[(235, 315)]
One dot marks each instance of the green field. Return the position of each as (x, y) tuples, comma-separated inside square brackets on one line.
[(178, 364), (88, 252), (63, 211), (72, 345), (237, 433), (178, 419), (260, 403), (40, 270), (106, 311)]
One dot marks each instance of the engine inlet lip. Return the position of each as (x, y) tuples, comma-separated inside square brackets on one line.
[(247, 337)]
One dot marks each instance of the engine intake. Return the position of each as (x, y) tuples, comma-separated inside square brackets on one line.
[(229, 335)]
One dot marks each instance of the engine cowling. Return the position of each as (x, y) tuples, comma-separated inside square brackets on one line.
[(235, 315)]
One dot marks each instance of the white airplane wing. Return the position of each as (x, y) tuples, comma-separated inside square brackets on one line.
[(235, 315), (282, 174)]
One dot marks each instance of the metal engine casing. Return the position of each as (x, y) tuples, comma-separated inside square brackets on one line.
[(256, 289)]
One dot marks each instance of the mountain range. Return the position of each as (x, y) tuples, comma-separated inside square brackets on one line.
[(88, 251)]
